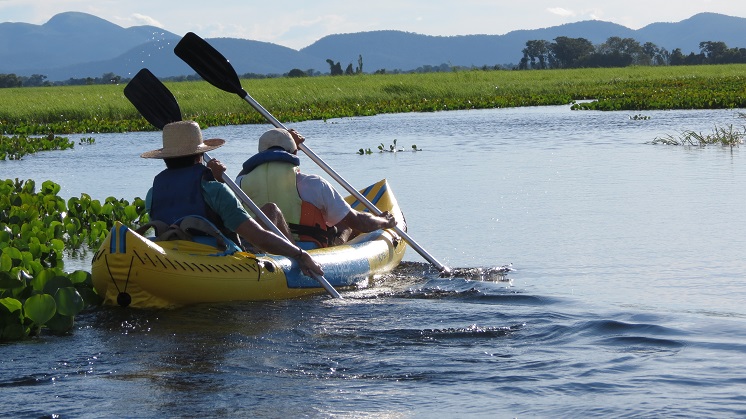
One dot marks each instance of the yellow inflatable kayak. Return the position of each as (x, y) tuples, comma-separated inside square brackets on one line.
[(130, 269)]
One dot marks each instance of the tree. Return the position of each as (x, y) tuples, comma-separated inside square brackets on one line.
[(35, 80), (597, 59), (349, 71), (296, 72), (714, 52), (110, 78), (677, 57), (625, 47), (334, 69), (657, 56), (694, 59), (359, 68), (537, 50), (10, 80), (567, 52)]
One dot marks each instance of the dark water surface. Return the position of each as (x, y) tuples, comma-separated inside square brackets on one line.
[(626, 298)]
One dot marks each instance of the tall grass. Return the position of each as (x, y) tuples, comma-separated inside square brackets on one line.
[(103, 108)]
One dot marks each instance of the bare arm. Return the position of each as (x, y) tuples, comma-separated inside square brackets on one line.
[(272, 243), (367, 222)]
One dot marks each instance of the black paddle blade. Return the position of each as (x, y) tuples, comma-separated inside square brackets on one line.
[(152, 99), (210, 64)]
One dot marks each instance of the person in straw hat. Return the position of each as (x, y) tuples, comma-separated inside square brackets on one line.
[(187, 188), (314, 210)]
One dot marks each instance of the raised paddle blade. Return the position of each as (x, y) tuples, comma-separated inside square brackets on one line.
[(210, 64), (152, 99)]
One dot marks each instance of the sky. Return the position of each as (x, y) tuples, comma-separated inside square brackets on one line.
[(297, 24)]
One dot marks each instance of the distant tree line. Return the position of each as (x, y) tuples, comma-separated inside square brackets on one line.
[(36, 80), (564, 52), (567, 52)]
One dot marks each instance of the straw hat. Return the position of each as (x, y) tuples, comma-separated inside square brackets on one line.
[(182, 138), (277, 137)]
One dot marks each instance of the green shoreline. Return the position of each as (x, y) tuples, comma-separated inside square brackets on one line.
[(103, 108)]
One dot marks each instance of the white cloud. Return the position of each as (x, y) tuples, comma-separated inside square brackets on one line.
[(140, 19), (559, 11)]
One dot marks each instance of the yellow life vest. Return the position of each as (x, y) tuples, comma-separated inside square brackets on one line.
[(276, 182)]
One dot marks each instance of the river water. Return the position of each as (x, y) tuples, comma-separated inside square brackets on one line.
[(626, 297)]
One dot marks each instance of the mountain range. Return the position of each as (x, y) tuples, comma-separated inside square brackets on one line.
[(80, 45)]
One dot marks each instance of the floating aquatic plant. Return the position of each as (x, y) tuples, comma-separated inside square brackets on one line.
[(725, 136), (36, 229), (392, 148), (17, 146)]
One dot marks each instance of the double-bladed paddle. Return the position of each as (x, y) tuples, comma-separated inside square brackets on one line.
[(159, 107), (212, 66)]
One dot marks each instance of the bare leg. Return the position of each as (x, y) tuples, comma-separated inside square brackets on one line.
[(272, 211)]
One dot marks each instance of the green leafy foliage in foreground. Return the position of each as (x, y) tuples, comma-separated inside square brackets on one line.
[(35, 231), (103, 108)]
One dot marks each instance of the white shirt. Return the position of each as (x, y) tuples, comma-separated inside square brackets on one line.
[(317, 191)]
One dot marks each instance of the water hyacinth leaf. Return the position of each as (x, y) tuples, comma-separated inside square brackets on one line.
[(49, 187), (107, 209), (90, 297), (99, 230), (29, 186), (73, 206), (130, 211), (80, 277), (55, 283), (40, 280), (42, 236), (34, 249), (6, 262), (14, 254), (12, 331), (9, 282), (60, 324), (35, 266), (26, 259), (58, 245), (72, 227), (55, 229), (95, 207), (50, 204), (40, 308), (69, 301), (10, 305)]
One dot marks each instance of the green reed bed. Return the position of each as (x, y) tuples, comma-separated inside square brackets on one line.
[(725, 136), (103, 108)]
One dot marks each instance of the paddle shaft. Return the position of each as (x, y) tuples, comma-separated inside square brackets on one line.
[(360, 197), (218, 71), (268, 223)]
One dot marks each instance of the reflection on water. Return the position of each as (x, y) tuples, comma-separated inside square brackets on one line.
[(626, 282)]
